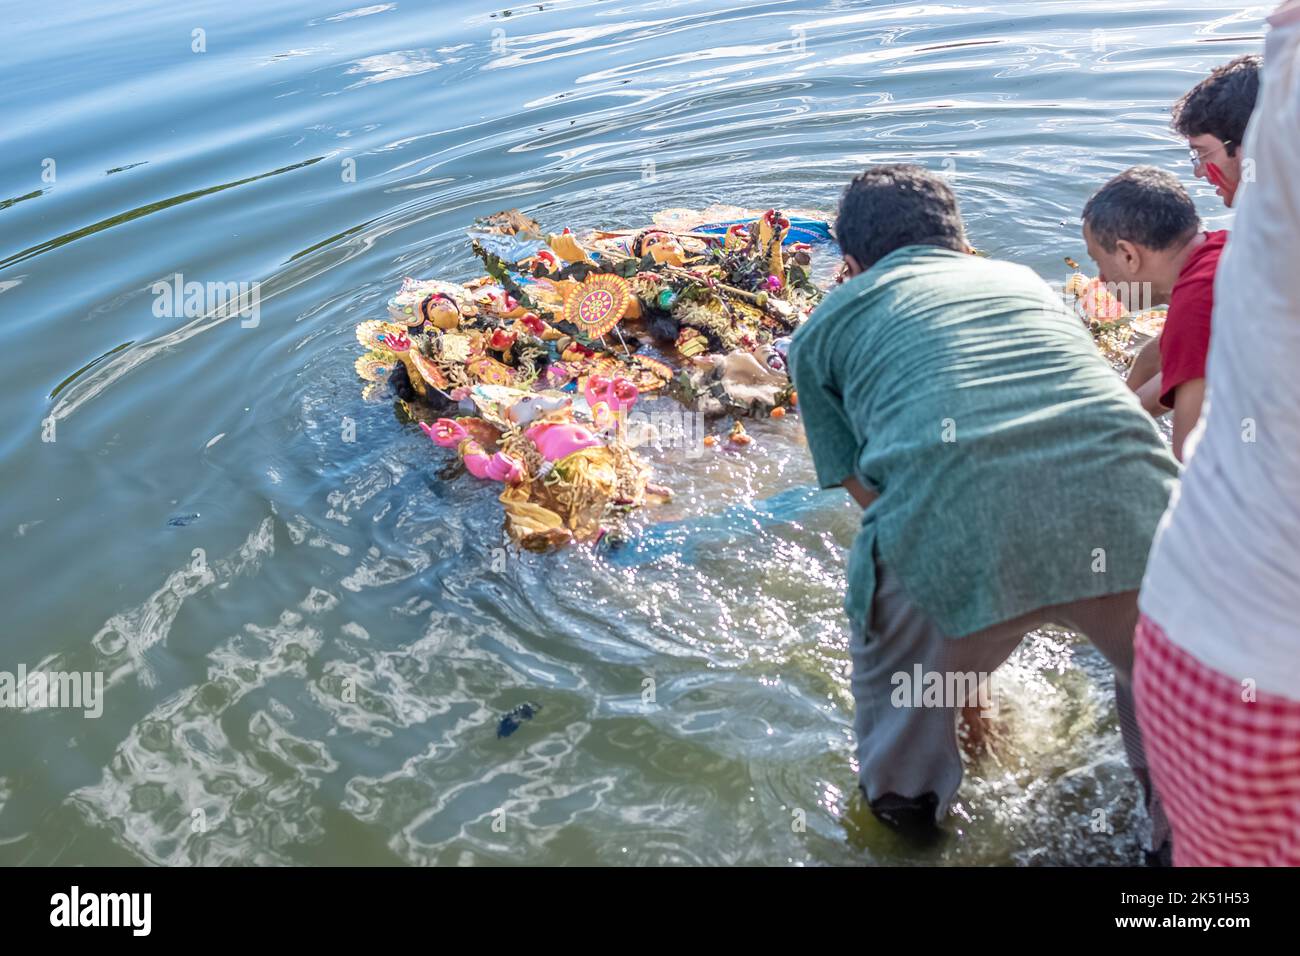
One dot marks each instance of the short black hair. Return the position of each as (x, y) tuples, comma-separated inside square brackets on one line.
[(892, 206), (1221, 103), (1144, 205)]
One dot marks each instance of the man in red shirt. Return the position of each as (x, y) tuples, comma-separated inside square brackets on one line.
[(1143, 232), (1212, 118)]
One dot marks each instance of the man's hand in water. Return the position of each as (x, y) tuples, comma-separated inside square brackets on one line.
[(1144, 378), (859, 492)]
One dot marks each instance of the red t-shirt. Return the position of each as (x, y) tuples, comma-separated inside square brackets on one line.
[(1185, 341)]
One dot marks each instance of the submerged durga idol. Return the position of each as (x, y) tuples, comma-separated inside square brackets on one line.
[(528, 372)]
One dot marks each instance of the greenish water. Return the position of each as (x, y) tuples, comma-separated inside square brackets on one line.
[(199, 530)]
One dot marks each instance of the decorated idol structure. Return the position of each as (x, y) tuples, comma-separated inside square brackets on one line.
[(527, 372)]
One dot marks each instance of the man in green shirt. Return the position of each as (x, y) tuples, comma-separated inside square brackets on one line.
[(1009, 480)]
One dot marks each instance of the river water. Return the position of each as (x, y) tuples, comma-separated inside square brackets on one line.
[(182, 512)]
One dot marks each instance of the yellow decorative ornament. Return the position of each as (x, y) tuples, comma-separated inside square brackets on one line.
[(376, 365), (386, 337), (374, 334), (772, 230), (456, 347), (490, 371), (566, 247), (598, 304), (651, 374), (428, 371), (691, 342)]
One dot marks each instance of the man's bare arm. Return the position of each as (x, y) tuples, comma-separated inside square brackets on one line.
[(1149, 395), (1146, 365), (1187, 409), (859, 492)]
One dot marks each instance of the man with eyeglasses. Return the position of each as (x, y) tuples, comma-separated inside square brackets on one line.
[(1212, 117)]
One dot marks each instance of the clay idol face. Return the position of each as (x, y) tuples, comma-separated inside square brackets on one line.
[(530, 407)]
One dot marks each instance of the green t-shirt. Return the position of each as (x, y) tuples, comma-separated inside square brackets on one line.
[(1015, 469)]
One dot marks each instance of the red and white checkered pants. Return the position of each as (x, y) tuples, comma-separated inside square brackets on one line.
[(1228, 770)]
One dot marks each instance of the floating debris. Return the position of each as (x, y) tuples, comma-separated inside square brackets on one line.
[(528, 372), (512, 721)]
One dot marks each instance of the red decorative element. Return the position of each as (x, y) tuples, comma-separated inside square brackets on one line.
[(776, 220)]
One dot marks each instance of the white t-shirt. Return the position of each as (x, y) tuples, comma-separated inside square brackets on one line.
[(1223, 579)]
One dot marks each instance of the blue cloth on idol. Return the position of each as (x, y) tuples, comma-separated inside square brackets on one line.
[(810, 231)]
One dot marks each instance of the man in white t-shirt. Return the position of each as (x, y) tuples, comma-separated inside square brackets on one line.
[(1217, 674)]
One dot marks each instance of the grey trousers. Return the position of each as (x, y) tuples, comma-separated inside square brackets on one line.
[(910, 750)]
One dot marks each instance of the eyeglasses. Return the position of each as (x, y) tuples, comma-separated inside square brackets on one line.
[(1198, 160)]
